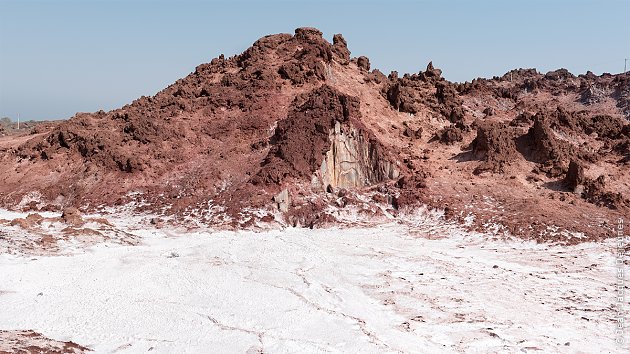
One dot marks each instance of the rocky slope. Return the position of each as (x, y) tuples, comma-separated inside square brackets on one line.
[(295, 131)]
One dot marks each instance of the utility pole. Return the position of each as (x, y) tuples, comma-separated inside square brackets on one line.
[(625, 61), (18, 122)]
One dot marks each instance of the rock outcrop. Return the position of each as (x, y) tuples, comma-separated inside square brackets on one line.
[(541, 145), (427, 89), (575, 175), (340, 48), (363, 63), (323, 138), (354, 160), (301, 140), (450, 135), (494, 145), (595, 192)]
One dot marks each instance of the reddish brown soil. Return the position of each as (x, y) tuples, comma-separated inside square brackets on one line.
[(237, 131), (27, 342)]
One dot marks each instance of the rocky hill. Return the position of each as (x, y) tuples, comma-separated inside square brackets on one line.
[(9, 127), (294, 131)]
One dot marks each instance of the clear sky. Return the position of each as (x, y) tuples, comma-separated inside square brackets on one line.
[(66, 56)]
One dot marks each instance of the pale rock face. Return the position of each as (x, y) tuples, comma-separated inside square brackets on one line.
[(282, 200), (353, 162)]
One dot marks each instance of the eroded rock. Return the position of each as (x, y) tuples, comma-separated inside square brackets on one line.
[(324, 135), (575, 175), (363, 63), (340, 47), (494, 145), (450, 135), (354, 160), (72, 216), (282, 200)]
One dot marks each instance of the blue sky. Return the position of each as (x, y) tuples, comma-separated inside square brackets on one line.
[(62, 57)]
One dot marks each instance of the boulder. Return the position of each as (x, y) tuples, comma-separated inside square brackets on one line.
[(541, 145), (575, 175), (450, 135), (431, 71), (34, 218), (340, 48), (72, 216), (494, 145), (354, 160), (595, 192), (308, 33), (412, 133), (364, 63)]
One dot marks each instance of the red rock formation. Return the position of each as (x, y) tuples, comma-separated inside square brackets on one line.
[(294, 116), (494, 145)]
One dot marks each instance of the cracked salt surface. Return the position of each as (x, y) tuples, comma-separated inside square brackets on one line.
[(367, 290)]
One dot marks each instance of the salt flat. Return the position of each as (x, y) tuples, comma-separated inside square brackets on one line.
[(380, 289)]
